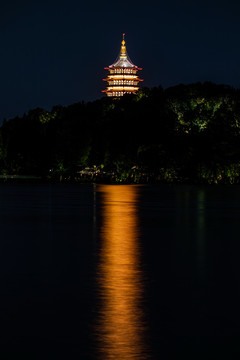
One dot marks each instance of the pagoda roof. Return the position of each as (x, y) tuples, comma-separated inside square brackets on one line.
[(126, 63), (123, 60)]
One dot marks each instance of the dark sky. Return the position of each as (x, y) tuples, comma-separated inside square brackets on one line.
[(54, 52)]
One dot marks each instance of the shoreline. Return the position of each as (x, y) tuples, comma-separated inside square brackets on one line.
[(110, 181)]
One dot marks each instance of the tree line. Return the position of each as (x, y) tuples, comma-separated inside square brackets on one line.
[(187, 133)]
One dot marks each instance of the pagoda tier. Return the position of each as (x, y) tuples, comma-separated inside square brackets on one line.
[(122, 77)]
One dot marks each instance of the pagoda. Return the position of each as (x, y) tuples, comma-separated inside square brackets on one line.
[(122, 78)]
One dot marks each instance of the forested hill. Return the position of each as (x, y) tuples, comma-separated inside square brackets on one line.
[(187, 133)]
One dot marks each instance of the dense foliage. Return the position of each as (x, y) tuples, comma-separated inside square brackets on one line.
[(187, 133)]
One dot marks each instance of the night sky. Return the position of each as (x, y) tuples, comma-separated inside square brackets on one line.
[(54, 52)]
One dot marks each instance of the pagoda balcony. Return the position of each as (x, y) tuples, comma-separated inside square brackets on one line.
[(123, 83)]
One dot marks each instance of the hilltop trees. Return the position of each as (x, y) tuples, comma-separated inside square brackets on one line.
[(184, 133)]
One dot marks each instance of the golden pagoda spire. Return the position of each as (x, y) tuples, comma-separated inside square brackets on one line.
[(123, 54)]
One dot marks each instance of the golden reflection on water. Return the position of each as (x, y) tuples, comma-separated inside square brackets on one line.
[(120, 327)]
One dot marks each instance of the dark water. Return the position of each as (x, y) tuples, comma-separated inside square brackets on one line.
[(119, 272)]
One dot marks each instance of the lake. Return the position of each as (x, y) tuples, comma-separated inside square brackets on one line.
[(102, 272)]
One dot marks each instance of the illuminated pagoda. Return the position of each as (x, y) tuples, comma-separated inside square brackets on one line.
[(122, 78)]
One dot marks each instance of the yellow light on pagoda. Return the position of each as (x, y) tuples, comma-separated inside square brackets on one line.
[(124, 70), (122, 77), (120, 88)]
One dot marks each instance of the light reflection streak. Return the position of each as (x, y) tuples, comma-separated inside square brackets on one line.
[(121, 330)]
